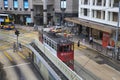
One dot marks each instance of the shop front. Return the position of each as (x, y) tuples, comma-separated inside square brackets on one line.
[(101, 34)]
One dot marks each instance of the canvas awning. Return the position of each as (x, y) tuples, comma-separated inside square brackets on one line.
[(91, 24)]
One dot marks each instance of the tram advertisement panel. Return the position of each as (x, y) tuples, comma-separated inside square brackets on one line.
[(65, 56)]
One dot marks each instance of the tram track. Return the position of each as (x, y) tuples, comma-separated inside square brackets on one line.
[(84, 73)]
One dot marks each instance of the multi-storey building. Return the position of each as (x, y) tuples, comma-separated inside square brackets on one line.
[(70, 11), (98, 18), (31, 11), (21, 9)]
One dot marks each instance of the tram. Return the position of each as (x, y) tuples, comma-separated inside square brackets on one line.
[(60, 46)]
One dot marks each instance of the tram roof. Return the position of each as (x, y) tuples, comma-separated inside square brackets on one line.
[(58, 38)]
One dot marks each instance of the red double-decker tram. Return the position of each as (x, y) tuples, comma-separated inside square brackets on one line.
[(59, 46)]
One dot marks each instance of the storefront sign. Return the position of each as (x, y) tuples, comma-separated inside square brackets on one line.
[(106, 39)]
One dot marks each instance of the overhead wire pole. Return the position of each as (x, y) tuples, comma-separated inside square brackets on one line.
[(117, 33)]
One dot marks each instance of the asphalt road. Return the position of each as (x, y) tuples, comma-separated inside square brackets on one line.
[(17, 67), (16, 64)]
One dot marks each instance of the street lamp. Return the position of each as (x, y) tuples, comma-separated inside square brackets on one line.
[(63, 8)]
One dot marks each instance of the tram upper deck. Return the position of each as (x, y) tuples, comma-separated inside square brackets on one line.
[(57, 38)]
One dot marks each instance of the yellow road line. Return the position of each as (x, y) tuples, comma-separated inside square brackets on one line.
[(8, 56), (78, 48), (21, 55), (83, 47)]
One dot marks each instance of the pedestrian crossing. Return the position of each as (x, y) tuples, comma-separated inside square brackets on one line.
[(9, 56)]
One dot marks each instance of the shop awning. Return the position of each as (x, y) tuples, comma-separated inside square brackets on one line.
[(91, 24)]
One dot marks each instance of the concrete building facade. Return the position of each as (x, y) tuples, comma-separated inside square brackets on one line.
[(99, 19), (31, 11)]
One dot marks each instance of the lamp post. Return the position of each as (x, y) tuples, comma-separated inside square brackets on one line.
[(117, 32), (63, 8)]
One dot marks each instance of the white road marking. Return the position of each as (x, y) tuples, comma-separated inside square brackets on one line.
[(16, 65)]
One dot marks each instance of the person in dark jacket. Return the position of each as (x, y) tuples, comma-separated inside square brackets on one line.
[(78, 44)]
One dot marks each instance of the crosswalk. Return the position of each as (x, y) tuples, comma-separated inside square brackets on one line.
[(9, 56), (7, 38)]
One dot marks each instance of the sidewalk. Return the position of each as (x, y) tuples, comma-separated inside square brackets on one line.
[(96, 47), (102, 71)]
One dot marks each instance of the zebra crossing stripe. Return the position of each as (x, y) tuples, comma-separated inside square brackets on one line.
[(8, 56), (21, 55)]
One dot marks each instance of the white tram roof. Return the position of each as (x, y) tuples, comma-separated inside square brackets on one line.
[(58, 38)]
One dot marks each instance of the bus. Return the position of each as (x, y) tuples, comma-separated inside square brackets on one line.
[(6, 21), (60, 46)]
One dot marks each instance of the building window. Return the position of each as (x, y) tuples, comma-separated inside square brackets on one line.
[(86, 2), (5, 3), (115, 16), (99, 2), (98, 15), (116, 3), (15, 3), (25, 4), (94, 2), (103, 13), (85, 12)]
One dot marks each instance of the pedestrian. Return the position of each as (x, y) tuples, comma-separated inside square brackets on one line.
[(20, 47), (35, 27), (91, 40), (14, 47), (78, 43), (83, 41)]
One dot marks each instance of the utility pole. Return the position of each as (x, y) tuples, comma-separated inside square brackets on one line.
[(117, 33)]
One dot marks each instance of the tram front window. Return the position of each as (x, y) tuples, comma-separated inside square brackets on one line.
[(65, 48)]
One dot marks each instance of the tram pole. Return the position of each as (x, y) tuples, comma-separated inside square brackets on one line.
[(117, 32)]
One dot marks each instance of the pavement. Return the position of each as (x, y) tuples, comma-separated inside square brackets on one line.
[(102, 71)]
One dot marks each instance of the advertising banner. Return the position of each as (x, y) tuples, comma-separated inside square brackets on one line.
[(106, 39)]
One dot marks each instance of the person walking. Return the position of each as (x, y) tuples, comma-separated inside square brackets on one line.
[(91, 40), (83, 41), (14, 47), (20, 47), (78, 44)]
